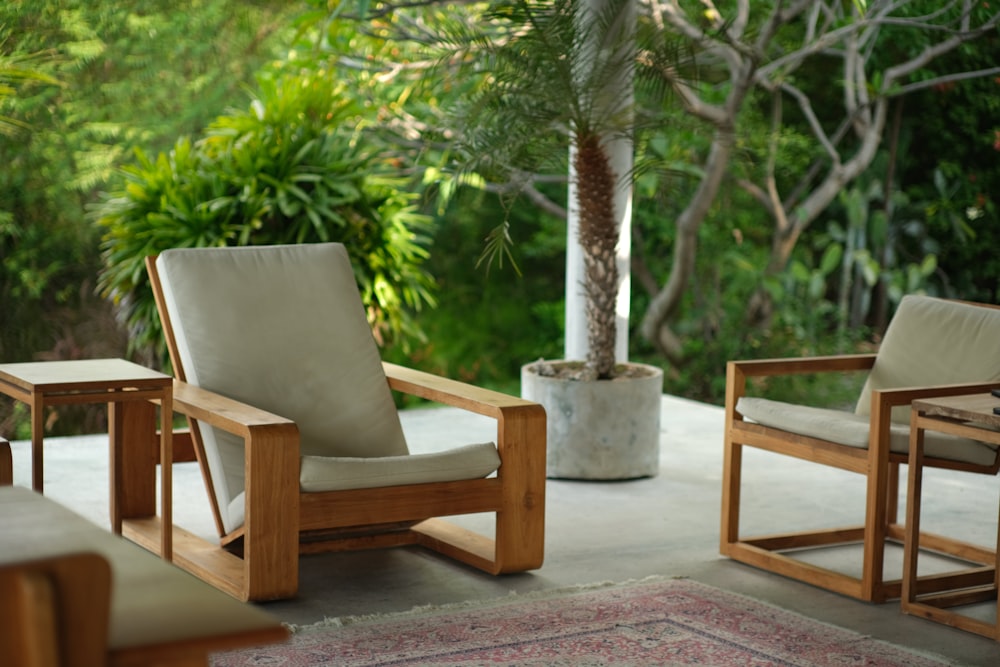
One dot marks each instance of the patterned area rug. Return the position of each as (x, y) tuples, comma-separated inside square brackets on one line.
[(651, 622)]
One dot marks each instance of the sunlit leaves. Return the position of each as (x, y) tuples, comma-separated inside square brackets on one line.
[(287, 170)]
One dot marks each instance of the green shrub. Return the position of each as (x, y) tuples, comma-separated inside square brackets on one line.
[(290, 169)]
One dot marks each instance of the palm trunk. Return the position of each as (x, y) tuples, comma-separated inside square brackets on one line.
[(599, 240)]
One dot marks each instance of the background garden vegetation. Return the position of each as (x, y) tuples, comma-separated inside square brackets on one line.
[(129, 127)]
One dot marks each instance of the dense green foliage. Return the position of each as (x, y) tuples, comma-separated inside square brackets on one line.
[(109, 77), (288, 170), (123, 84), (128, 74)]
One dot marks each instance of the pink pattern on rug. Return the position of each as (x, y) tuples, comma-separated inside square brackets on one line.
[(659, 622)]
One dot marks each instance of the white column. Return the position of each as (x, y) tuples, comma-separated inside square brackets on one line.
[(622, 160)]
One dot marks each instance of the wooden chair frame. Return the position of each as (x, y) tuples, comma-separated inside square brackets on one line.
[(261, 561), (54, 612), (879, 465)]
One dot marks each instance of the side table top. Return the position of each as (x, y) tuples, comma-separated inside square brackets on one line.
[(976, 408), (80, 374)]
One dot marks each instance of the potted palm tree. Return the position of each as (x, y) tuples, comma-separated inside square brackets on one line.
[(559, 81)]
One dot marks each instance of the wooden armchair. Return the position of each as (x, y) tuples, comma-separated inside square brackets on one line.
[(933, 347), (54, 611), (298, 437)]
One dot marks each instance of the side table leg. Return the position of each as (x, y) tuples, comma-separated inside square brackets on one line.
[(37, 434), (166, 475), (132, 431)]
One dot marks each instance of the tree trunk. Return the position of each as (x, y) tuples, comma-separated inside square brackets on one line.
[(599, 240)]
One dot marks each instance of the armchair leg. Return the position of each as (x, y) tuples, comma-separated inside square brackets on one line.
[(271, 537), (732, 465), (519, 542), (873, 558), (520, 521)]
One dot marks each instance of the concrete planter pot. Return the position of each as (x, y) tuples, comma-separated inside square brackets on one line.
[(599, 429)]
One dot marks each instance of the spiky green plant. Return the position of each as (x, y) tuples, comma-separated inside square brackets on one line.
[(556, 74), (287, 170)]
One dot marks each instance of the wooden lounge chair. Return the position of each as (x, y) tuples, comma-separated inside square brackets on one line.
[(933, 347), (298, 436)]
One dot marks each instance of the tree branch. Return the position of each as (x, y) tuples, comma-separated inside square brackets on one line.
[(936, 81)]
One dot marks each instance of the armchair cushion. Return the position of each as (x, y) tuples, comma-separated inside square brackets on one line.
[(323, 473), (934, 342), (929, 342), (847, 428)]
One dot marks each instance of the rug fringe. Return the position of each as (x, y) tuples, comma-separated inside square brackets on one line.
[(512, 596)]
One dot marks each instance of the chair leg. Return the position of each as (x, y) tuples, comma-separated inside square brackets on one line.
[(519, 541), (879, 509), (271, 522), (732, 466), (520, 522), (133, 460), (6, 464)]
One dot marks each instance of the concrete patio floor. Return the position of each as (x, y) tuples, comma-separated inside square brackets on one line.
[(611, 531)]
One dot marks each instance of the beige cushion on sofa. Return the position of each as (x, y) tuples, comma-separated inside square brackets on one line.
[(283, 328), (928, 342)]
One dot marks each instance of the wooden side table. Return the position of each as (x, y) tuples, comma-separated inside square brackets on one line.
[(120, 384), (969, 416)]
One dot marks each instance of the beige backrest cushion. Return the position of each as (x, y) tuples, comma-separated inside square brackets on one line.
[(281, 328), (934, 341)]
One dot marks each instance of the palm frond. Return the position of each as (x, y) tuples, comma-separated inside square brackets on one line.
[(497, 247)]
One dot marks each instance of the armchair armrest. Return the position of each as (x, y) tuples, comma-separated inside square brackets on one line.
[(906, 395), (521, 434), (803, 365), (225, 413), (452, 392), (737, 372), (272, 455)]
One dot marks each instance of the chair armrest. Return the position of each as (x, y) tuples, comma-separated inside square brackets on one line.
[(452, 392), (906, 395), (272, 454), (804, 365), (225, 413), (737, 372), (521, 424)]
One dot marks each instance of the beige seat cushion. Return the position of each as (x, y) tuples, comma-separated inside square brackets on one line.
[(847, 428), (283, 328), (929, 342)]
